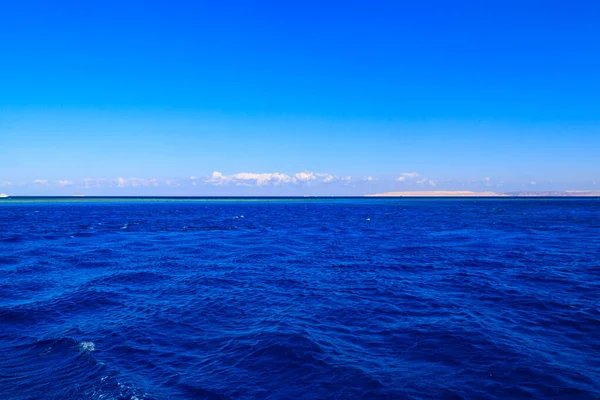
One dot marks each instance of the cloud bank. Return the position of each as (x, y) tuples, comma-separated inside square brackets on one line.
[(264, 179), (267, 183)]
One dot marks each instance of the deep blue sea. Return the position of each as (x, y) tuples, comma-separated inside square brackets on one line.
[(299, 299)]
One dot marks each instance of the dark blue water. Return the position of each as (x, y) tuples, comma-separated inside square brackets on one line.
[(300, 299)]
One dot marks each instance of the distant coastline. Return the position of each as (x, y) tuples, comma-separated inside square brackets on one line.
[(437, 193), (413, 194), (467, 193)]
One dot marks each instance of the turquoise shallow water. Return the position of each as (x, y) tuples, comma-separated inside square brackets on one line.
[(299, 298)]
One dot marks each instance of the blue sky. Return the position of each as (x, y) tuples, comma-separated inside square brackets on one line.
[(268, 97)]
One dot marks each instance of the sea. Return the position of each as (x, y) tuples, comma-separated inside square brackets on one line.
[(299, 298)]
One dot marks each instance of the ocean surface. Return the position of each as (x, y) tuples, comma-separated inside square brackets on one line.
[(299, 299)]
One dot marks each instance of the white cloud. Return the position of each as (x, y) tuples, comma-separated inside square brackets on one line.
[(151, 182), (171, 182), (136, 182), (407, 175), (326, 178), (194, 180), (6, 183), (119, 182), (64, 182), (423, 181), (270, 178), (96, 182), (40, 182), (216, 178), (533, 183), (248, 179), (347, 178), (369, 179), (305, 176)]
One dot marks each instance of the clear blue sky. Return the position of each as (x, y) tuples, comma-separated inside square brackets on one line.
[(107, 97)]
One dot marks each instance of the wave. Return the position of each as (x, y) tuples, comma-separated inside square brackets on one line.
[(300, 300), (60, 368)]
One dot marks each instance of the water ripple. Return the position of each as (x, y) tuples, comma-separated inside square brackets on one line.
[(336, 299)]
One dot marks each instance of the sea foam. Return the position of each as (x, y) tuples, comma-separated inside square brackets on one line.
[(87, 346)]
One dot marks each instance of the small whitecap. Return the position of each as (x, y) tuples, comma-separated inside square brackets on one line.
[(87, 346), (124, 226), (368, 219)]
